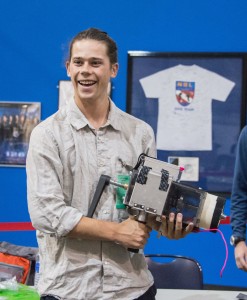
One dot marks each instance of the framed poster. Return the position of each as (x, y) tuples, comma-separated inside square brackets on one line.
[(195, 102), (17, 120)]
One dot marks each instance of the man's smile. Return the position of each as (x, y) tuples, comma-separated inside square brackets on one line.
[(86, 82)]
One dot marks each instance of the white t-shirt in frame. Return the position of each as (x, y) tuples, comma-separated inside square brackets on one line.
[(185, 96)]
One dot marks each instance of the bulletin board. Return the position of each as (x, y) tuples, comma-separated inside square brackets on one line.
[(195, 103)]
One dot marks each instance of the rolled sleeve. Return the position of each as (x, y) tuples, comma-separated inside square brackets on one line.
[(49, 211)]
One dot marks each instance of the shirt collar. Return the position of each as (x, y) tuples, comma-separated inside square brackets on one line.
[(76, 117), (79, 121), (114, 116)]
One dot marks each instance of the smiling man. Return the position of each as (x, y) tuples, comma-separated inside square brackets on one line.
[(90, 69), (81, 257)]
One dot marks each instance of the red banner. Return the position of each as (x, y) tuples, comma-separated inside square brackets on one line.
[(16, 226)]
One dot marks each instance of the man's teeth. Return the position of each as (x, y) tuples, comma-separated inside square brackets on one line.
[(86, 82)]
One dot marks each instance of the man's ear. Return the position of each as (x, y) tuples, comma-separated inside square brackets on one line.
[(68, 68), (114, 70)]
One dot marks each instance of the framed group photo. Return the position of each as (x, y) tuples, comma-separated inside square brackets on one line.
[(17, 120), (196, 105)]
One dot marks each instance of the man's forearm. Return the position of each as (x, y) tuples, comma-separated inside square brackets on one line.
[(88, 228)]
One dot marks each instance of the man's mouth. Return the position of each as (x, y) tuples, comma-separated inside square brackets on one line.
[(86, 82)]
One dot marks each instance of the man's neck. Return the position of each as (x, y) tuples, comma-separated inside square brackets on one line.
[(96, 112)]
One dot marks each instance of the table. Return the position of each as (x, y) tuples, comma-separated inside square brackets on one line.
[(168, 294)]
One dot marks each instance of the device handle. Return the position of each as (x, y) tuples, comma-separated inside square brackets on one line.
[(142, 218), (103, 182)]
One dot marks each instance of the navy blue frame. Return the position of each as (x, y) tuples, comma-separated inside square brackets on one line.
[(216, 171)]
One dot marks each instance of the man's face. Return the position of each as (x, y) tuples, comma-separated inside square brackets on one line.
[(90, 70)]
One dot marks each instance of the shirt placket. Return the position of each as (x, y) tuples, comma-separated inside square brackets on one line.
[(103, 166), (103, 160)]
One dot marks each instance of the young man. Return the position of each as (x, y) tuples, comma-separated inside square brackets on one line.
[(81, 257), (239, 203)]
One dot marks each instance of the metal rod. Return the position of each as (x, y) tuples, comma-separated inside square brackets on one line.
[(125, 186)]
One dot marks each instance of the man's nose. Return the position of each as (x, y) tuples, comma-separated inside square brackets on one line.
[(85, 68)]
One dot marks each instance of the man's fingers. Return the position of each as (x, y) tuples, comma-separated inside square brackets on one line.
[(179, 224), (189, 228), (172, 226), (171, 222), (172, 218)]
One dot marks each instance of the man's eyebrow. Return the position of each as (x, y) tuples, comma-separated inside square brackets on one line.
[(99, 58), (79, 57)]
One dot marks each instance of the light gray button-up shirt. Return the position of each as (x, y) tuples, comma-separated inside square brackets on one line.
[(65, 160)]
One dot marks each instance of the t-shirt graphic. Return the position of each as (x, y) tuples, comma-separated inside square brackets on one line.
[(185, 96), (185, 92)]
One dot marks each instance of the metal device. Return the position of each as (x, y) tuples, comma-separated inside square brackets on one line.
[(154, 188)]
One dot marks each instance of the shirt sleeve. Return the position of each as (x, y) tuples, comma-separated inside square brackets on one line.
[(152, 85), (220, 87), (239, 190), (48, 211), (149, 141)]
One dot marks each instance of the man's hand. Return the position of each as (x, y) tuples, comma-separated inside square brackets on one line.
[(171, 227), (241, 255), (132, 234)]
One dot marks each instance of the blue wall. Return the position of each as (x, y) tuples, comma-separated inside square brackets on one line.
[(34, 37)]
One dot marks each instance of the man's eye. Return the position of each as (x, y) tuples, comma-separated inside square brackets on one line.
[(96, 63), (78, 62)]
